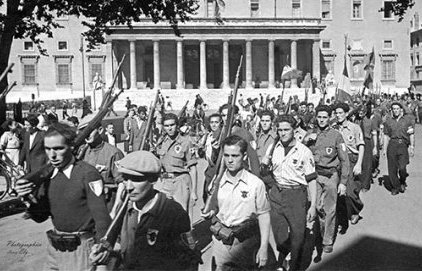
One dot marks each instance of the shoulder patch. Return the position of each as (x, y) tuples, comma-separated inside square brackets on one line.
[(96, 187)]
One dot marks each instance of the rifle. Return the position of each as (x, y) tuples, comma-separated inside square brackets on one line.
[(108, 239), (8, 69), (182, 112), (226, 132), (7, 90)]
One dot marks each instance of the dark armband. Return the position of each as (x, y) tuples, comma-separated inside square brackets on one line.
[(311, 177)]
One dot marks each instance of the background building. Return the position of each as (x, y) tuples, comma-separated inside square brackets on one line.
[(305, 34)]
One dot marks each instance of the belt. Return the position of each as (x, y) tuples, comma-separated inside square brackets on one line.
[(81, 234), (399, 140), (171, 175), (286, 187)]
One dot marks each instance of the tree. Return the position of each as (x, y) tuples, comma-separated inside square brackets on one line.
[(400, 7), (33, 18)]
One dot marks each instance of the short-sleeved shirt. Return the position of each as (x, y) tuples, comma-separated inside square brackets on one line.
[(400, 128), (263, 141), (352, 135), (291, 169), (176, 155), (241, 200)]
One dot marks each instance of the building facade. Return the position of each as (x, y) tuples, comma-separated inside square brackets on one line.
[(269, 34)]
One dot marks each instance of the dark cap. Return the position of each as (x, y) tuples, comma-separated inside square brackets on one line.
[(139, 163)]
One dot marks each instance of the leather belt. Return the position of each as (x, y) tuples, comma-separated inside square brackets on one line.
[(292, 187), (171, 175)]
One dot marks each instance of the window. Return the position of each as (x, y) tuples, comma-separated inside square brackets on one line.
[(357, 9), (357, 67), (28, 46), (210, 8), (417, 59), (296, 8), (29, 74), (388, 9), (388, 70), (387, 44), (254, 8), (411, 60), (63, 70), (62, 46), (326, 9), (326, 44), (357, 45), (63, 74), (416, 19)]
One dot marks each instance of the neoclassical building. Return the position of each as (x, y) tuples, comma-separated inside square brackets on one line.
[(269, 34)]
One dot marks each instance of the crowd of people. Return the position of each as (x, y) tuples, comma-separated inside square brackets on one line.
[(285, 168)]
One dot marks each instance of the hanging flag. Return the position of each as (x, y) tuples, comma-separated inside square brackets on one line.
[(369, 68), (343, 88)]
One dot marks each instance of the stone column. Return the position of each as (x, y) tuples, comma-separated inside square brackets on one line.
[(132, 49), (203, 65), (293, 61), (108, 64), (249, 64), (226, 67), (316, 60), (180, 73), (156, 49), (271, 73)]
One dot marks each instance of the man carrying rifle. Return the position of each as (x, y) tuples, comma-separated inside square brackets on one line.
[(179, 176), (73, 197), (294, 174), (241, 226), (153, 224)]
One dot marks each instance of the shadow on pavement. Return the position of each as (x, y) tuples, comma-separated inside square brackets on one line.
[(385, 181), (370, 253)]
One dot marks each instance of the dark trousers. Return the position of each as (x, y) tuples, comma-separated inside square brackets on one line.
[(288, 220), (366, 176), (397, 160)]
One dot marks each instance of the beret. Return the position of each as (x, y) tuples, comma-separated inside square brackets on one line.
[(139, 163)]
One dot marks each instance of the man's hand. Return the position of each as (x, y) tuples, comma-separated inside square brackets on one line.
[(215, 145), (374, 151), (24, 187), (266, 160), (311, 214), (100, 168), (262, 256), (341, 190), (99, 254), (412, 151), (208, 215), (357, 170)]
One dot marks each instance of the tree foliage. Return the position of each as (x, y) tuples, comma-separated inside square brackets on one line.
[(400, 7)]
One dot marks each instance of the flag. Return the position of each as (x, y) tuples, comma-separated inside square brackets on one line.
[(287, 70), (219, 6), (369, 68), (343, 88)]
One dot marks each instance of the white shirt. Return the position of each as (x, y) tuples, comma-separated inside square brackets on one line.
[(292, 168), (111, 139), (31, 139), (148, 206)]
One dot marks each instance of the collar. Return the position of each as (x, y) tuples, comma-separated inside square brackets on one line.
[(242, 178), (67, 170), (147, 207), (271, 133), (345, 124)]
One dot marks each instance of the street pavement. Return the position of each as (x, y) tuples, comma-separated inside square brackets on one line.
[(388, 236)]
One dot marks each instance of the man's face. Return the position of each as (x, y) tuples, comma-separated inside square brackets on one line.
[(322, 119), (224, 114), (396, 110), (214, 123), (340, 114), (137, 190), (265, 123), (58, 151), (302, 108), (378, 102), (53, 109), (27, 125), (110, 129), (311, 108), (285, 131), (170, 127), (142, 115), (233, 158)]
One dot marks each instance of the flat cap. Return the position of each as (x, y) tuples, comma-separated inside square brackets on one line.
[(139, 163)]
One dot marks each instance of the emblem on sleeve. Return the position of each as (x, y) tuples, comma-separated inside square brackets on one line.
[(177, 148), (351, 137), (329, 150), (96, 187), (152, 235), (244, 194)]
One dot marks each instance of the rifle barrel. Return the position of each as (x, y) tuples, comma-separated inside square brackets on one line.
[(4, 73)]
